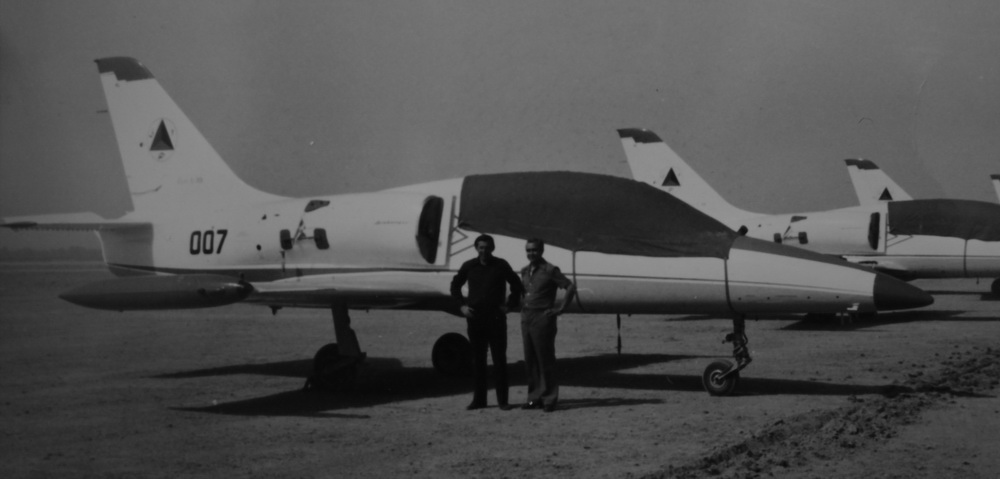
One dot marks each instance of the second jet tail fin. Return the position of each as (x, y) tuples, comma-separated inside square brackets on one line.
[(871, 184), (655, 163)]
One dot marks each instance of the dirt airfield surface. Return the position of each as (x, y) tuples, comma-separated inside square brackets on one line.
[(217, 393)]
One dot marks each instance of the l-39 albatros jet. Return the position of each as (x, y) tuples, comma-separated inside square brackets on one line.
[(198, 236), (908, 239)]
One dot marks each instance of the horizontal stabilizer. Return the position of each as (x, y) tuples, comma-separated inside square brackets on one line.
[(68, 222)]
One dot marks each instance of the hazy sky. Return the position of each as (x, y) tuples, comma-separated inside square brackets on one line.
[(764, 99)]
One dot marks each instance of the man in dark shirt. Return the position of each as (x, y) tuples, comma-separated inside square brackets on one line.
[(541, 279), (486, 314)]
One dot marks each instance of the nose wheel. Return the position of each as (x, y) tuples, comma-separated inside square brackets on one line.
[(718, 380), (721, 377)]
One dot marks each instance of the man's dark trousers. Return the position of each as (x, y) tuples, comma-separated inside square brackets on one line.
[(488, 330), (538, 330)]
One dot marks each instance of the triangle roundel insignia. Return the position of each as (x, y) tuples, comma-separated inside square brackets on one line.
[(161, 139), (886, 196), (671, 179)]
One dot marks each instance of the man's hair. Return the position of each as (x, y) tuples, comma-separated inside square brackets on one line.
[(490, 244), (536, 241)]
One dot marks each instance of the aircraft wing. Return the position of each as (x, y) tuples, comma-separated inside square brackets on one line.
[(377, 290), (872, 185), (67, 222)]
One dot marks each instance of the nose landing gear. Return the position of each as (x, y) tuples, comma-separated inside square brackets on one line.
[(721, 377)]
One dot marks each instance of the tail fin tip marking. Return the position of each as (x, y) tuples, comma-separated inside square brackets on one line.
[(124, 68), (639, 135)]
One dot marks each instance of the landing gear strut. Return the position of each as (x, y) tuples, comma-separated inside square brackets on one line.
[(335, 366), (721, 377)]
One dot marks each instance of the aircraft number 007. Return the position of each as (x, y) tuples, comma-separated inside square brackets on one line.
[(203, 242)]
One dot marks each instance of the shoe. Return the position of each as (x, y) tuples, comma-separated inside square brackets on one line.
[(505, 407), (474, 406), (550, 407), (532, 405)]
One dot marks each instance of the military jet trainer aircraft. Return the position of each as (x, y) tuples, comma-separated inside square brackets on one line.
[(198, 236), (908, 239)]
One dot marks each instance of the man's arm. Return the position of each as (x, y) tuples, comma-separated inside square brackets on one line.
[(516, 289), (457, 282), (563, 282)]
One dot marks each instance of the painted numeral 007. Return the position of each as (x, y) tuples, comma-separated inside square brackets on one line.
[(204, 242)]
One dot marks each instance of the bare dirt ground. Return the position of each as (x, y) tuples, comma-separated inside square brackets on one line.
[(211, 393)]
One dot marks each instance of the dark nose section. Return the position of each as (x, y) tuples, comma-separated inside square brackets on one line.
[(891, 294)]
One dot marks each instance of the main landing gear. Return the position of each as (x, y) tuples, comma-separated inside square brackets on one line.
[(335, 366), (721, 377)]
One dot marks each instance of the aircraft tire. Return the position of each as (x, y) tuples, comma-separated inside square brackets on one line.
[(714, 385), (329, 371), (995, 287), (452, 355), (326, 356)]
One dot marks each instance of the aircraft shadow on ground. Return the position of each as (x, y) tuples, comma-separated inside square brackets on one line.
[(386, 381)]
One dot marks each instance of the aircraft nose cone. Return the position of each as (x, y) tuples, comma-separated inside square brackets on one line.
[(891, 293)]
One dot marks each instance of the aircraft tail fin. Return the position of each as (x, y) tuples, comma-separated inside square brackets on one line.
[(655, 163), (169, 164), (871, 184), (996, 184)]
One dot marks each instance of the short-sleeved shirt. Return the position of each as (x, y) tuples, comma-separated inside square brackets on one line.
[(540, 287), (487, 284)]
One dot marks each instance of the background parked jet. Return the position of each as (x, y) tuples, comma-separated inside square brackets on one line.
[(909, 239), (198, 236)]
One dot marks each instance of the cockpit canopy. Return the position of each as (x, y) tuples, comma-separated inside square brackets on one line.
[(589, 212), (964, 219)]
